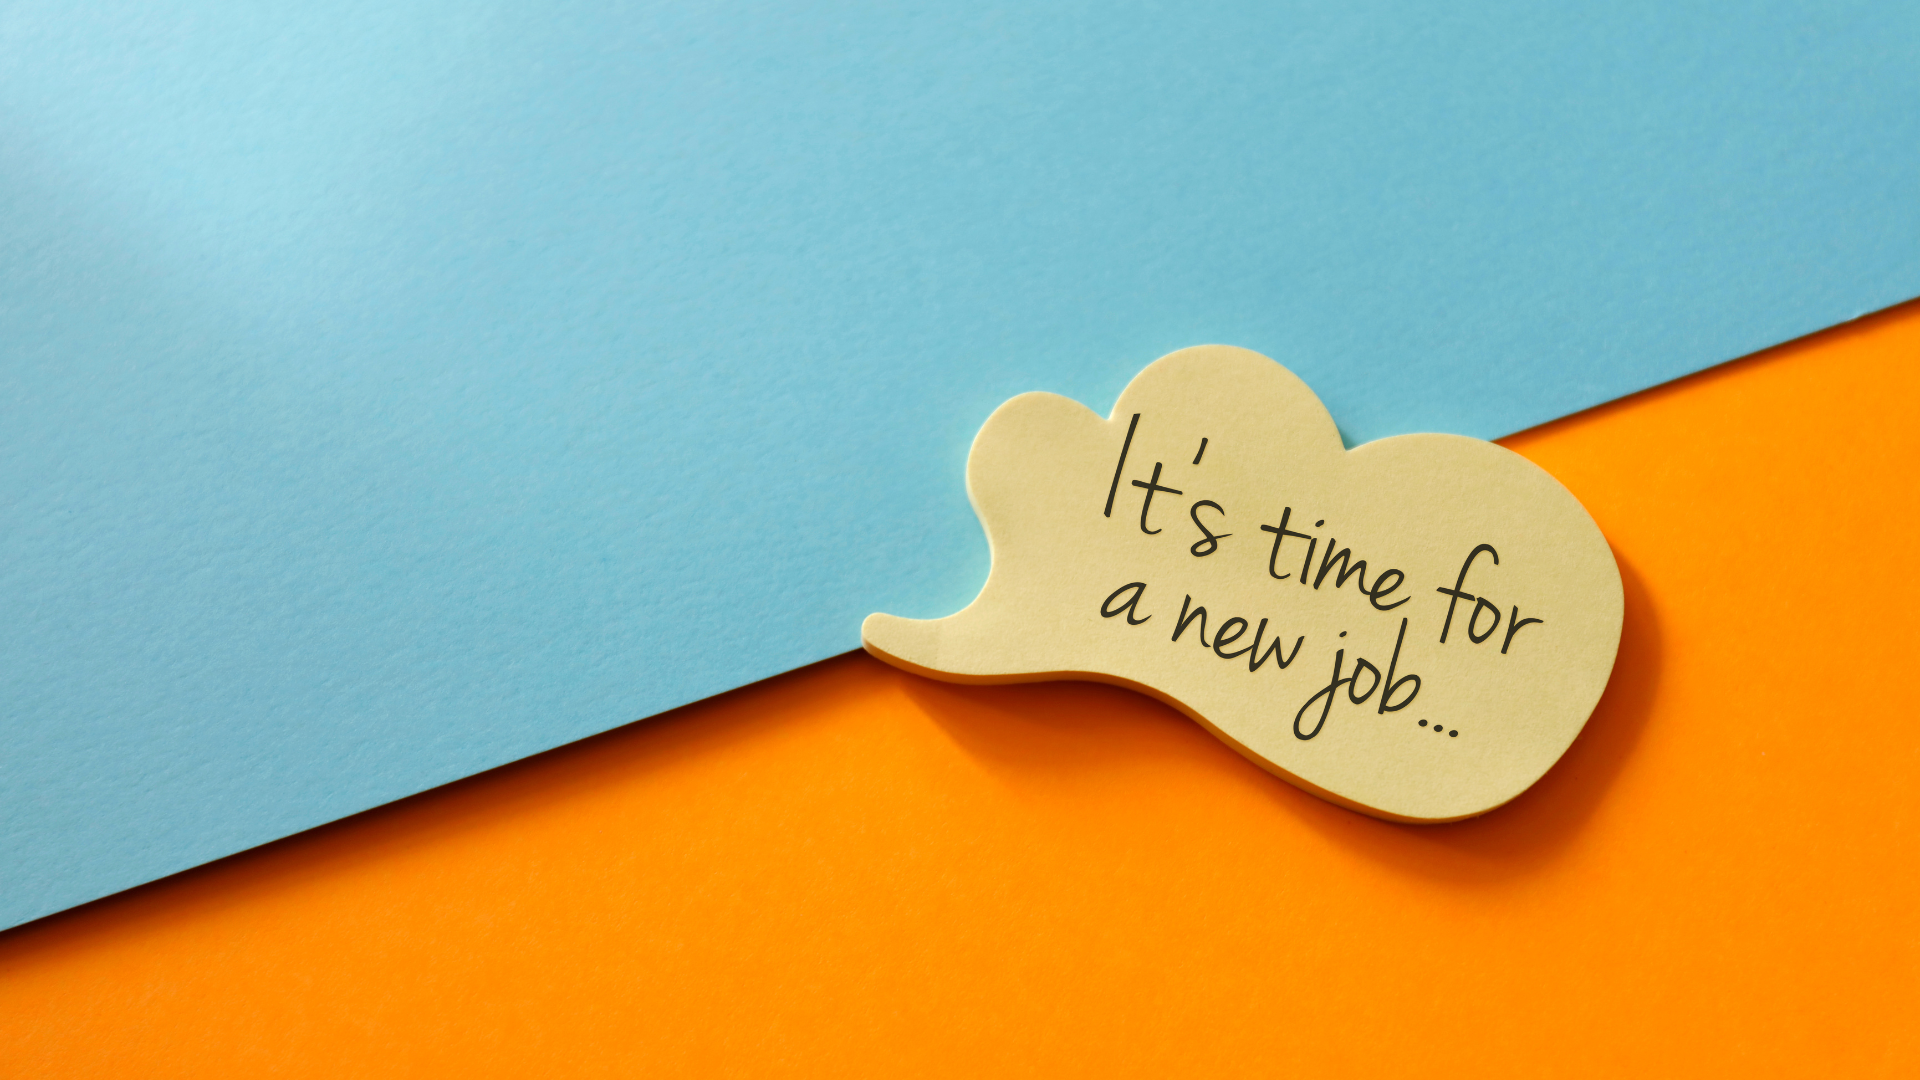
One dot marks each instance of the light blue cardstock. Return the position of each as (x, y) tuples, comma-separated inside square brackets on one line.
[(389, 391)]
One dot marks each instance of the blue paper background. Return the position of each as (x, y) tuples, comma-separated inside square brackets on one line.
[(392, 390)]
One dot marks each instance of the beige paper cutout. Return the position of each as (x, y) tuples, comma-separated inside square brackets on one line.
[(1078, 589)]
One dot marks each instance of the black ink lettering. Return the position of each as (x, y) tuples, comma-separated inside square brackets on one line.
[(1108, 611), (1381, 588), (1147, 503), (1353, 681), (1513, 627), (1198, 613), (1208, 540), (1230, 631), (1273, 651), (1386, 696), (1115, 486), (1458, 584), (1340, 578), (1306, 564), (1280, 534), (1203, 450), (1473, 620), (1327, 692)]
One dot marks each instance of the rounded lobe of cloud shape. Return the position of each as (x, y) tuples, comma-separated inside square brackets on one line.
[(1416, 628)]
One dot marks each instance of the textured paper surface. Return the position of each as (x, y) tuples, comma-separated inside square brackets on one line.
[(1297, 599), (848, 871), (390, 391)]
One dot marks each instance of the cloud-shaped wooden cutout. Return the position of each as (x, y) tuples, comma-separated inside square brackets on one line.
[(1416, 628)]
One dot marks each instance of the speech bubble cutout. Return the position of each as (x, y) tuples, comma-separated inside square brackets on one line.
[(1416, 628)]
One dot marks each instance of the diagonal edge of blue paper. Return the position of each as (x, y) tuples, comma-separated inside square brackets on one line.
[(388, 392)]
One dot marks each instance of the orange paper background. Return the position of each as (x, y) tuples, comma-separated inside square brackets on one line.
[(851, 871)]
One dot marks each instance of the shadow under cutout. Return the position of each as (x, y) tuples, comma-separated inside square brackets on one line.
[(1020, 728)]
